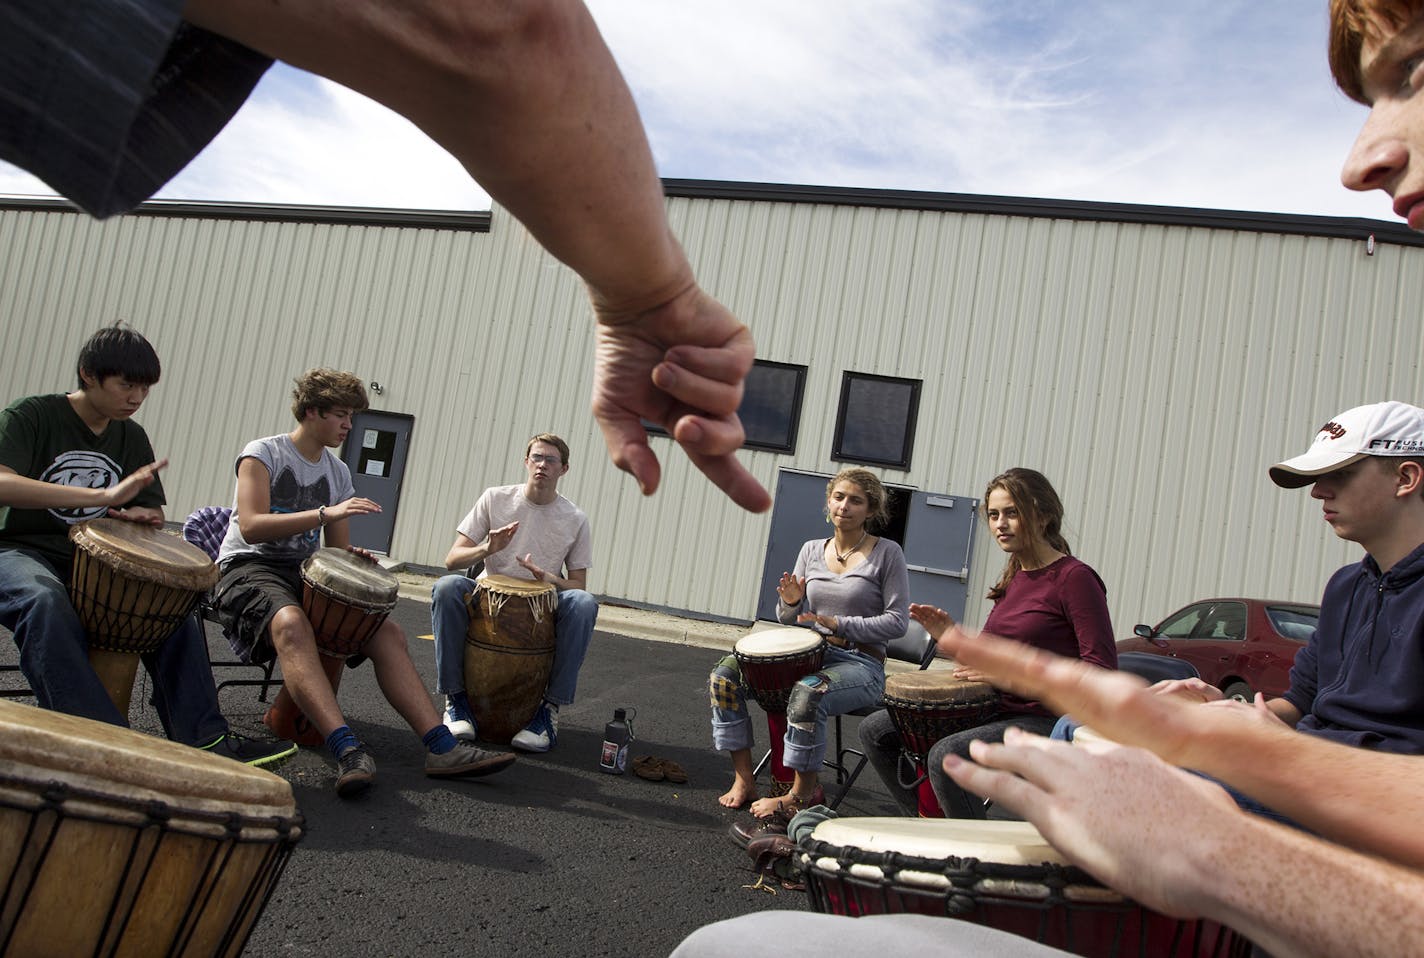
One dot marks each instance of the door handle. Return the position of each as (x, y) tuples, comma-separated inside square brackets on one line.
[(962, 575)]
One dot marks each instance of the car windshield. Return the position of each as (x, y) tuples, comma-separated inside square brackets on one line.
[(1294, 622)]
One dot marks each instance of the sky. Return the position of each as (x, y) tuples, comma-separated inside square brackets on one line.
[(1215, 104)]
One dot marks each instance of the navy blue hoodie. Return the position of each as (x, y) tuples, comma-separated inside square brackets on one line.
[(1360, 679)]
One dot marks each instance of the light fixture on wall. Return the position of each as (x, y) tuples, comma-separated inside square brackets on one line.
[(377, 388), (1370, 245)]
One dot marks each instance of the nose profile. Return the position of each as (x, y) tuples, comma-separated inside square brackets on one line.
[(1377, 157)]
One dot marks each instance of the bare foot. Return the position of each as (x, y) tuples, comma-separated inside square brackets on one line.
[(767, 807), (739, 794)]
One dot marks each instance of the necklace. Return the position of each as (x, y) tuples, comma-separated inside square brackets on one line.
[(849, 552)]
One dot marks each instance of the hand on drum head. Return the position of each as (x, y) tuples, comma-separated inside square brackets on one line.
[(1123, 815), (791, 589), (679, 364), (139, 515), (935, 620), (970, 675), (363, 553), (527, 561)]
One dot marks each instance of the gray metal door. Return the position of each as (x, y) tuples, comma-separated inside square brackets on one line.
[(939, 539), (798, 513), (375, 453), (936, 531)]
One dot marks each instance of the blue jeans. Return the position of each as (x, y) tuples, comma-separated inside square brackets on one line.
[(851, 681), (54, 656), (450, 618)]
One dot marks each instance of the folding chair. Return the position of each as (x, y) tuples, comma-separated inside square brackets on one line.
[(915, 647), (206, 528)]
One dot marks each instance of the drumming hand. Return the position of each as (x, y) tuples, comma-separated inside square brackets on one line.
[(143, 515), (499, 538), (125, 489), (1189, 690), (970, 675), (935, 620), (680, 365), (828, 622), (1123, 815), (357, 550), (355, 506), (791, 589), (527, 561)]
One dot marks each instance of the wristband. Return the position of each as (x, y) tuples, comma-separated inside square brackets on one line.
[(320, 516)]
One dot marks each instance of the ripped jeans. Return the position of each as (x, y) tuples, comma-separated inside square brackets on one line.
[(845, 682)]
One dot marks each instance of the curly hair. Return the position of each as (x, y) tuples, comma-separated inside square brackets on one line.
[(875, 494), (324, 389), (1040, 511), (1352, 22)]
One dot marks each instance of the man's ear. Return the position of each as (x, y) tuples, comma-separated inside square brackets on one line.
[(1409, 479)]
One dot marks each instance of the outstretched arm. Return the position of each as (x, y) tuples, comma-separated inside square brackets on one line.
[(1363, 799), (1178, 844), (528, 98)]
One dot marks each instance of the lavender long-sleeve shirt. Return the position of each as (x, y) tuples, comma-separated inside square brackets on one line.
[(871, 602)]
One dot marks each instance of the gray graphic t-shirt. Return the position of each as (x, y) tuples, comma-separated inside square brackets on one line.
[(298, 485)]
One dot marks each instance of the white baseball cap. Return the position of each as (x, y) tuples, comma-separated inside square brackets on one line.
[(1381, 429)]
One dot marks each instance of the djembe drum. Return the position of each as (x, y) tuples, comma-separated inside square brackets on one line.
[(132, 585), (122, 844), (346, 597), (774, 659), (1001, 874), (509, 652), (771, 662), (925, 707)]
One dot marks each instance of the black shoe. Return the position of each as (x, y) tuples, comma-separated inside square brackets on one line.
[(250, 751), (744, 833), (358, 771)]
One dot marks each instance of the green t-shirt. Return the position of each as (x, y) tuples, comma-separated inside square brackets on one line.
[(42, 437)]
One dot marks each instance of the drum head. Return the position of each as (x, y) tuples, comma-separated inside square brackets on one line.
[(1004, 843), (351, 577), (508, 585), (147, 554), (774, 643), (51, 746), (937, 686)]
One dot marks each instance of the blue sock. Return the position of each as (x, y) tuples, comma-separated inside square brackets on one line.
[(460, 706), (438, 740), (340, 740)]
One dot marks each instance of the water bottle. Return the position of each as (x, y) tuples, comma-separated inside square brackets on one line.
[(616, 737)]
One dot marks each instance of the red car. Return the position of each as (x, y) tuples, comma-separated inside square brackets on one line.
[(1242, 646)]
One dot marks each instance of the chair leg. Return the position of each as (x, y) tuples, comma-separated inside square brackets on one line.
[(845, 777)]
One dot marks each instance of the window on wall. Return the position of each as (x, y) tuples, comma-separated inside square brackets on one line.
[(876, 420), (771, 406)]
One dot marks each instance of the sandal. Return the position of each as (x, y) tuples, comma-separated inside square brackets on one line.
[(650, 768), (674, 772)]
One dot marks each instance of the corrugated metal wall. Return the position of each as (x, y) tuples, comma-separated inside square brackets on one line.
[(1151, 371)]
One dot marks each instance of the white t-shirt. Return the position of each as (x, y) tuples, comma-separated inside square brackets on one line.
[(556, 534)]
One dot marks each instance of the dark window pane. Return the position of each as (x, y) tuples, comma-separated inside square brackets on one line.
[(771, 405), (876, 421)]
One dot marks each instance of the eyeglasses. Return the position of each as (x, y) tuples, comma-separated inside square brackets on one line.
[(539, 460)]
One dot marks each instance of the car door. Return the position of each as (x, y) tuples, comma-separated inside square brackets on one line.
[(1170, 636), (1217, 641)]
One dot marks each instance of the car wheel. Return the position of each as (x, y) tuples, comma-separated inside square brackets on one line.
[(1239, 691)]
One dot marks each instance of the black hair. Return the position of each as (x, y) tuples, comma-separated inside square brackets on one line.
[(118, 350)]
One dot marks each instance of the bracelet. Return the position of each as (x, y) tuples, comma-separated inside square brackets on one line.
[(320, 516)]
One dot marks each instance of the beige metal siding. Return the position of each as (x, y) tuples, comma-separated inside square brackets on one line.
[(1152, 372)]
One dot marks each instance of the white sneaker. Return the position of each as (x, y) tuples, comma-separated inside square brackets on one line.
[(462, 728), (542, 732)]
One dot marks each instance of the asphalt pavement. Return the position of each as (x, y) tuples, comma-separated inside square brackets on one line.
[(552, 857)]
